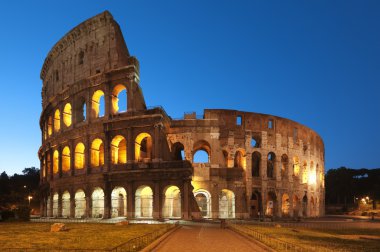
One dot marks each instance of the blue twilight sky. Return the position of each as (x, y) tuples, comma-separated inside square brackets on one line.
[(316, 62)]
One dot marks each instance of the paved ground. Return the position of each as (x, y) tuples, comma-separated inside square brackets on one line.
[(206, 237)]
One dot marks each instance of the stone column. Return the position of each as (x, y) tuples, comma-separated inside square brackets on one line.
[(263, 167), (107, 152), (157, 198), (130, 201), (72, 204), (87, 155), (130, 146), (107, 202), (72, 160), (186, 209), (214, 201), (60, 161), (59, 203)]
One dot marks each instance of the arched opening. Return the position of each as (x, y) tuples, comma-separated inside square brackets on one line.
[(118, 150), (66, 204), (79, 158), (225, 156), (203, 199), (57, 120), (97, 104), (144, 202), (66, 159), (312, 207), (67, 115), (226, 204), (312, 175), (143, 147), (296, 206), (48, 168), (256, 159), (271, 204), (271, 164), (285, 205), (97, 153), (55, 205), (255, 205), (201, 152), (296, 166), (239, 160), (80, 204), (48, 207), (304, 172), (172, 203), (178, 151), (55, 161), (119, 202), (50, 125), (119, 99), (304, 206), (97, 198), (284, 166), (80, 110)]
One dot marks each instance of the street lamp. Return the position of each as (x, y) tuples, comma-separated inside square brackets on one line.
[(29, 198)]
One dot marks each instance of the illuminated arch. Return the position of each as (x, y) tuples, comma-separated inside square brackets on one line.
[(296, 206), (143, 147), (172, 203), (226, 204), (55, 161), (119, 92), (57, 120), (118, 202), (239, 161), (80, 204), (97, 198), (203, 199), (285, 205), (304, 172), (296, 166), (50, 126), (66, 204), (312, 174), (66, 159), (97, 153), (97, 104), (271, 203), (55, 205), (271, 165), (67, 115), (144, 202), (118, 150), (256, 161), (284, 166), (79, 157)]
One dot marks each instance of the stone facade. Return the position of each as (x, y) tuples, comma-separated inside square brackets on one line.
[(98, 160)]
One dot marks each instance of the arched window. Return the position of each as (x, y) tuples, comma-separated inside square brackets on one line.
[(143, 147), (178, 151), (97, 153), (67, 115), (144, 202), (57, 120), (172, 203), (284, 166), (203, 199), (55, 161), (119, 99), (239, 161), (118, 150), (98, 104), (50, 125), (285, 205), (312, 174), (79, 158), (256, 160), (80, 110), (97, 198), (226, 204), (201, 152), (225, 156), (271, 165), (271, 203), (118, 202), (66, 159), (296, 166), (304, 172)]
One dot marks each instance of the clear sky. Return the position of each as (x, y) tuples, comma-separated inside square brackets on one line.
[(315, 62)]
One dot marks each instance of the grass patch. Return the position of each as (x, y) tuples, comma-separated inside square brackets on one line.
[(352, 239), (78, 235)]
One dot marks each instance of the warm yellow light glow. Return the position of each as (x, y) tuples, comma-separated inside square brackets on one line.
[(79, 157), (143, 146), (67, 115), (97, 153), (115, 99), (296, 166), (118, 150), (95, 103), (172, 203), (240, 159), (57, 120), (312, 178), (304, 173), (55, 161), (50, 125), (66, 159)]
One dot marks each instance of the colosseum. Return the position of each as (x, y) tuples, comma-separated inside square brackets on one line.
[(105, 154)]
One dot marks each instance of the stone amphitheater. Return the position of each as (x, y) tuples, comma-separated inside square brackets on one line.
[(105, 154)]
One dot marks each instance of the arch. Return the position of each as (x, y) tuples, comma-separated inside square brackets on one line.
[(226, 204), (200, 149), (296, 206), (119, 99), (50, 126), (97, 198), (256, 160), (118, 150), (271, 165), (271, 203), (255, 204), (67, 115), (304, 172), (284, 166), (312, 207), (79, 157), (48, 207), (57, 120), (97, 104), (66, 204), (80, 110), (118, 202), (225, 156), (312, 175), (55, 161), (143, 147), (66, 159), (80, 204), (203, 199), (97, 153), (178, 151), (285, 205), (55, 204), (144, 202), (296, 166), (239, 160), (304, 206), (172, 202)]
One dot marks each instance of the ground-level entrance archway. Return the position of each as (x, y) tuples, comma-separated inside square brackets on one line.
[(172, 203), (144, 202)]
